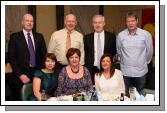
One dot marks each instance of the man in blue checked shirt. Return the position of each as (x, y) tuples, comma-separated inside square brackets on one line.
[(134, 46)]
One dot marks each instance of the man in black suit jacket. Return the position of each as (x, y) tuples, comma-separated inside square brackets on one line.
[(19, 53), (91, 45)]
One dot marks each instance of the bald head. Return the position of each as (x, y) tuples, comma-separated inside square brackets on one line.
[(27, 22), (69, 16), (70, 22)]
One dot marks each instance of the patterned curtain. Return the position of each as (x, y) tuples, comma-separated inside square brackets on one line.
[(60, 16), (84, 14), (101, 9), (13, 17), (32, 10)]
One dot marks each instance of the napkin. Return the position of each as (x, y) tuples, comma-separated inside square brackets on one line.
[(139, 97)]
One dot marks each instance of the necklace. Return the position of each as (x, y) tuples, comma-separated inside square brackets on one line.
[(76, 71)]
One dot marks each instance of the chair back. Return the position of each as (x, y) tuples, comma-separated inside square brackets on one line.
[(26, 91)]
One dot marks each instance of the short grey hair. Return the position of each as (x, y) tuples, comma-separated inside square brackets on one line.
[(98, 16)]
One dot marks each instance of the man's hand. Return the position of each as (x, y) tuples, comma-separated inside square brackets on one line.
[(24, 79)]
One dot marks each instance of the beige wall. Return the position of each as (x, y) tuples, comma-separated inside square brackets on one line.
[(115, 16), (46, 21)]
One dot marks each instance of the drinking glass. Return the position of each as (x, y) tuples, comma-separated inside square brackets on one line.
[(150, 97), (88, 95), (132, 93)]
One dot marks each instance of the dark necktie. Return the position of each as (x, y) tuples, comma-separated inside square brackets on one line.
[(31, 51)]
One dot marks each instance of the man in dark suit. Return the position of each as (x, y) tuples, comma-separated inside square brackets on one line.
[(26, 51), (98, 43)]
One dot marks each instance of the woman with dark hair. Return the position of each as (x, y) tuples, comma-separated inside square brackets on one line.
[(109, 81), (46, 79), (74, 78)]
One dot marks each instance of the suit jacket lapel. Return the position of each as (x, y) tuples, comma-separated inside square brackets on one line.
[(92, 43), (105, 41), (35, 40), (23, 40), (24, 44)]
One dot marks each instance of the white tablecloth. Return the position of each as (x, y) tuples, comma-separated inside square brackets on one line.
[(61, 98)]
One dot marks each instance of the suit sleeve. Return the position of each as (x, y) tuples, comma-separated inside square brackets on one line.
[(43, 47), (114, 44), (118, 45), (12, 55), (85, 50)]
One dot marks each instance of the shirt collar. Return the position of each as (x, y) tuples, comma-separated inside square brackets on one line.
[(25, 32), (134, 33), (101, 33), (67, 30)]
